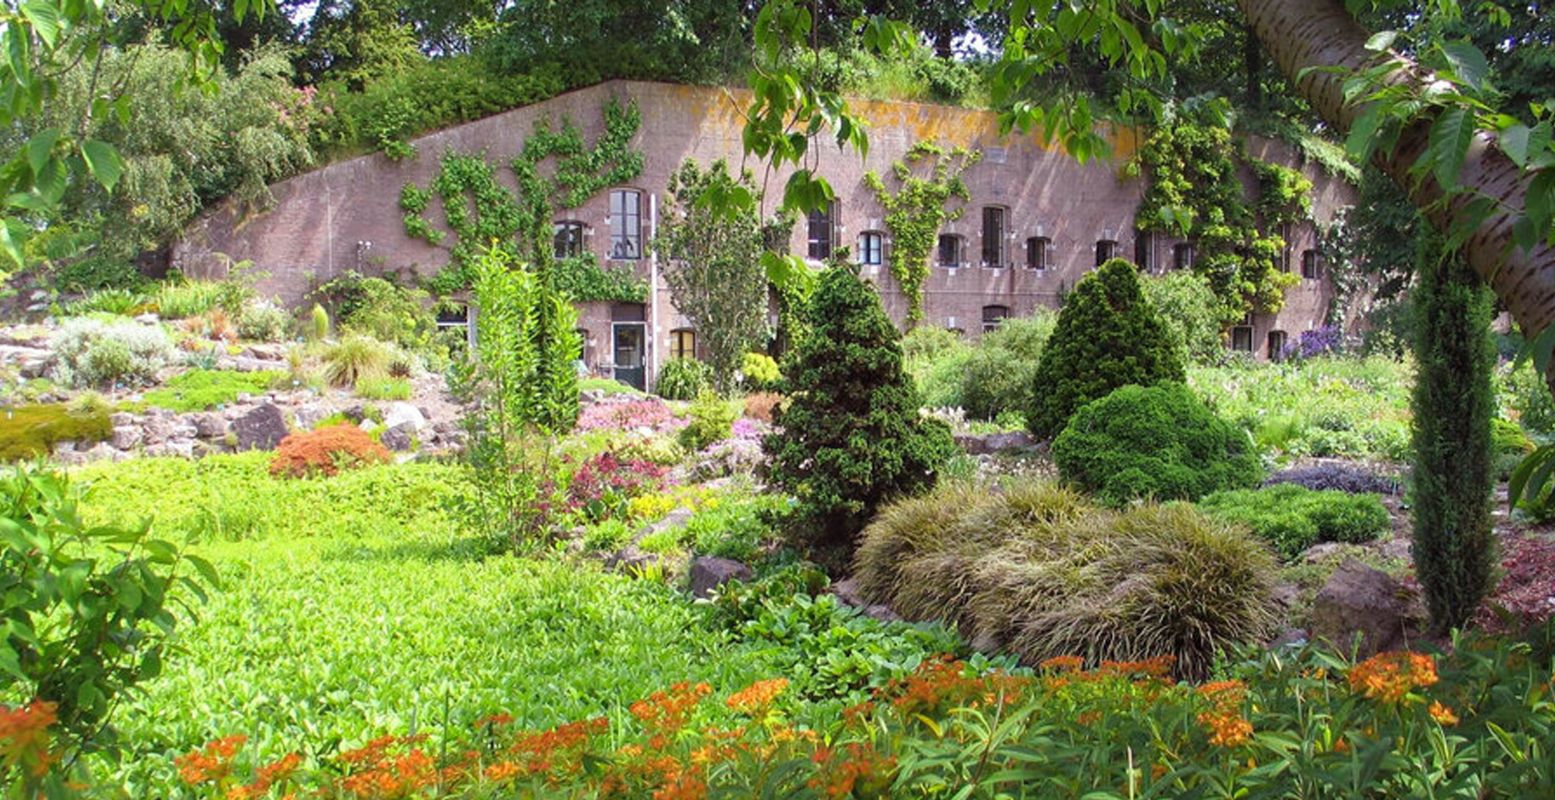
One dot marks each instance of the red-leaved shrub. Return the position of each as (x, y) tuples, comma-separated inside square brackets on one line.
[(326, 451)]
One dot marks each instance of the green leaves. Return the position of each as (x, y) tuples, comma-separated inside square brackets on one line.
[(1448, 145), (102, 160)]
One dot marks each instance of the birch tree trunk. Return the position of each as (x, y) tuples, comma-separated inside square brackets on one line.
[(1319, 33)]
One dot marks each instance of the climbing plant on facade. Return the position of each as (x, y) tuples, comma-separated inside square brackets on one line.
[(1195, 192), (927, 179), (481, 212)]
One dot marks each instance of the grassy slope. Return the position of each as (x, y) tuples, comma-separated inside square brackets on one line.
[(335, 627)]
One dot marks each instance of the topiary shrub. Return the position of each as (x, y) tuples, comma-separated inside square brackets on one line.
[(759, 373), (1159, 442), (711, 419), (1035, 570), (1293, 518), (89, 352), (326, 451), (683, 379), (851, 436), (1108, 335)]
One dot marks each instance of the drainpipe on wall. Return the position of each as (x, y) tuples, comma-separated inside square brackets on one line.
[(653, 293), (329, 232)]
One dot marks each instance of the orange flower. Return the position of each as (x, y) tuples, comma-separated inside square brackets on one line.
[(863, 765), (24, 737), (1223, 693), (1062, 664), (664, 713), (1442, 714), (210, 763), (265, 777), (755, 698), (1226, 729), (1390, 677)]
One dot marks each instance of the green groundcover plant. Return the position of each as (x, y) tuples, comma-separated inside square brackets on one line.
[(1292, 518)]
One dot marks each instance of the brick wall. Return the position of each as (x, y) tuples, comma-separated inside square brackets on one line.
[(346, 216)]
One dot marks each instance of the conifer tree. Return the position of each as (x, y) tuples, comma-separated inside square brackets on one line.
[(1108, 336), (851, 437)]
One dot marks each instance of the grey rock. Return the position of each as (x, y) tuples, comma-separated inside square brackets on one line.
[(709, 572), (64, 448), (848, 593), (121, 419), (186, 429), (260, 429), (148, 319), (311, 414), (368, 425), (251, 364), (103, 451), (177, 448), (209, 425), (127, 437), (1289, 637), (1320, 551), (157, 428), (403, 413), (978, 444), (400, 438), (1359, 601)]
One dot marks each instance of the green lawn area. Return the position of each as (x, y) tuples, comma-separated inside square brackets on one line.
[(333, 628)]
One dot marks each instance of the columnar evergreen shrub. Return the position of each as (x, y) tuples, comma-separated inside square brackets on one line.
[(851, 436), (1454, 546), (1159, 442), (1108, 335)]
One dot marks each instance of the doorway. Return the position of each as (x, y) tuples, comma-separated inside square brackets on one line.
[(627, 346)]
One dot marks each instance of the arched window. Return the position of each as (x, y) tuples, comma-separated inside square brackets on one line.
[(683, 343), (1311, 265), (626, 223), (871, 248), (993, 316), (1038, 252), (995, 225), (951, 250), (1106, 250), (567, 241)]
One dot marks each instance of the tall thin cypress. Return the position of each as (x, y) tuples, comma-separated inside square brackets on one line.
[(1454, 547)]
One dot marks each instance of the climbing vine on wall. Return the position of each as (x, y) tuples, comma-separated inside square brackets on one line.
[(482, 212), (927, 179), (1195, 192)]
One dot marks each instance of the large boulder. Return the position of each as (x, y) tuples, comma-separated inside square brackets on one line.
[(260, 429), (402, 413), (1359, 601), (209, 425), (401, 438), (709, 572), (127, 437)]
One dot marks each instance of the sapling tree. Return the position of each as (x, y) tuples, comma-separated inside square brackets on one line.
[(715, 273), (524, 391)]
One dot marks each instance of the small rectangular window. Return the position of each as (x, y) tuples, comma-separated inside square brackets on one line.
[(993, 316), (820, 230), (1311, 265), (1242, 339), (1182, 256), (567, 241), (1144, 251), (683, 343), (993, 236), (949, 250), (1106, 250), (1276, 345), (1037, 252), (626, 224), (871, 248)]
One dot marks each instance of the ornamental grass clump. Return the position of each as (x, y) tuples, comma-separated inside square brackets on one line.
[(326, 451), (1035, 570), (356, 358)]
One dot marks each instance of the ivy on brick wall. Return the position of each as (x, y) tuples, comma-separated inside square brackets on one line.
[(480, 211), (1195, 192), (927, 179)]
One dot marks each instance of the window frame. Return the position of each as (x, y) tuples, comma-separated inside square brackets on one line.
[(1039, 253), (1144, 250), (677, 347), (621, 233), (1111, 246), (827, 220), (558, 228), (1183, 255), (1311, 264), (939, 250), (1276, 354), (991, 322), (995, 245), (864, 251)]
